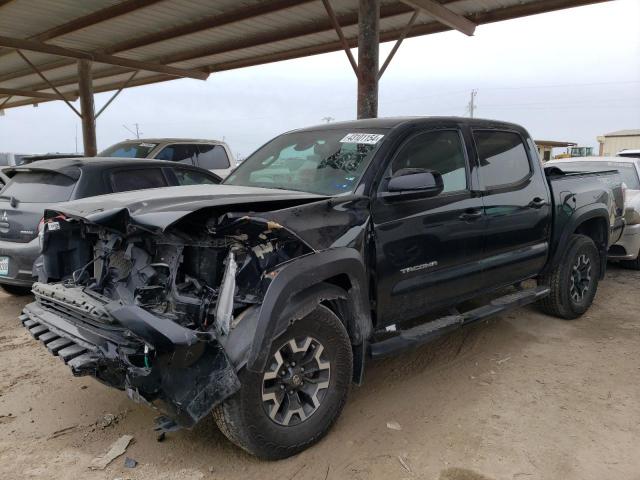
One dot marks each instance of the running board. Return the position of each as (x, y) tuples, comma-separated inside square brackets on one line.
[(431, 330)]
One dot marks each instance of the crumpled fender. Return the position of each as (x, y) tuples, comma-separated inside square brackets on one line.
[(289, 284)]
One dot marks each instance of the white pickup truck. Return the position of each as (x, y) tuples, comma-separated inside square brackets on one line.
[(211, 155), (627, 249)]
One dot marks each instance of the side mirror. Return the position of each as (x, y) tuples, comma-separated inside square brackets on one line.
[(416, 182)]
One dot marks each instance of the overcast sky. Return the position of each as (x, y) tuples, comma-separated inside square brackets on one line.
[(570, 75)]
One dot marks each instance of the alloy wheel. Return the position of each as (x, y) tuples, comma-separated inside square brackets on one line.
[(580, 278), (296, 381)]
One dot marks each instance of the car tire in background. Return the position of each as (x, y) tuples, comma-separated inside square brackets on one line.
[(15, 290), (574, 282), (295, 401)]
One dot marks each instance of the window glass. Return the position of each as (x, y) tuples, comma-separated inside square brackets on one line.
[(212, 157), (189, 177), (441, 151), (328, 162), (137, 179), (503, 158), (129, 150), (39, 187), (180, 152)]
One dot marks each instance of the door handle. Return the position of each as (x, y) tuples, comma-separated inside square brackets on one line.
[(537, 203), (471, 214)]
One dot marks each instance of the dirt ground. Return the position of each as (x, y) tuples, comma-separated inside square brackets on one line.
[(522, 396)]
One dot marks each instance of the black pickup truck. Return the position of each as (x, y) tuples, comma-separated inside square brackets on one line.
[(260, 299)]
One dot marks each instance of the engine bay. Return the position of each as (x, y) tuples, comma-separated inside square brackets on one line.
[(199, 274)]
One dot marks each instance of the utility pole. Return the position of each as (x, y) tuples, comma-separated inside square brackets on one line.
[(85, 89), (368, 48), (136, 133), (472, 105)]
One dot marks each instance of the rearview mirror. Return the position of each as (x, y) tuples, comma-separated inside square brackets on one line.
[(425, 183)]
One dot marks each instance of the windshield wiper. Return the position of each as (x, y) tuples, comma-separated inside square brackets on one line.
[(275, 187)]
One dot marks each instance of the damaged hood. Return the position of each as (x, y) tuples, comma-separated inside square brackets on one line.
[(159, 208)]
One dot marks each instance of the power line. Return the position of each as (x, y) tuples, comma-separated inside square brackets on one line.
[(137, 132), (560, 85)]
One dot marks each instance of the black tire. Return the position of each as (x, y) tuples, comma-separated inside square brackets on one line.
[(572, 296), (245, 418), (15, 290)]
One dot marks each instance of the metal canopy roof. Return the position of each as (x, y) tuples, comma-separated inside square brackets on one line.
[(138, 42)]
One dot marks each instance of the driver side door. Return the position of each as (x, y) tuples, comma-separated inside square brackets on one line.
[(428, 248)]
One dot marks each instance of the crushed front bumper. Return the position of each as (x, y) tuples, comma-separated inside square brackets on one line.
[(181, 372)]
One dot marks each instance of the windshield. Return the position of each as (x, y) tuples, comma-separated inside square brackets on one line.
[(627, 170), (129, 150), (327, 162), (39, 187)]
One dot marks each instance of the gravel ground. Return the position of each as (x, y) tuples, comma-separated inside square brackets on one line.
[(521, 396)]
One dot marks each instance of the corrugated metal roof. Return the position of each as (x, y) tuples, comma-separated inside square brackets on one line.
[(206, 35)]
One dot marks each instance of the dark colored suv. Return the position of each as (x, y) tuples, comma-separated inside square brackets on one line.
[(33, 188)]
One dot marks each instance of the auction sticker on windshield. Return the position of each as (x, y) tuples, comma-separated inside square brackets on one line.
[(362, 138), (4, 266)]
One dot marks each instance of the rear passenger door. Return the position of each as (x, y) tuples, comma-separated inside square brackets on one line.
[(516, 204), (428, 250)]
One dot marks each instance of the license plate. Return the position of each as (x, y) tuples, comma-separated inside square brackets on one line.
[(4, 266)]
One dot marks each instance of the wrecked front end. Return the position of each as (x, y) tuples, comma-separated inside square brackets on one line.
[(151, 311)]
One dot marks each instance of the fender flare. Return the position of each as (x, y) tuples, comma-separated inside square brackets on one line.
[(297, 285), (586, 213)]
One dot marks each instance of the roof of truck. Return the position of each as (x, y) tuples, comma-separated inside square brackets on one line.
[(392, 122)]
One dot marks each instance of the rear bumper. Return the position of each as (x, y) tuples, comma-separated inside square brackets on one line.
[(628, 247), (184, 373), (21, 258)]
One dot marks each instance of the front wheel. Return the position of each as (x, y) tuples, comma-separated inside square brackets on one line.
[(574, 281), (300, 394)]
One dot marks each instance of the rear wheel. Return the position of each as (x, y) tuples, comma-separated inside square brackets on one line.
[(300, 394), (574, 281), (15, 290)]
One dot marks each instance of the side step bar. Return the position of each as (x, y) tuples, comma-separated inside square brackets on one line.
[(431, 330)]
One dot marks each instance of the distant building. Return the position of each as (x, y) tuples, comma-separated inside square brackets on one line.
[(11, 159), (545, 148), (580, 152), (612, 143)]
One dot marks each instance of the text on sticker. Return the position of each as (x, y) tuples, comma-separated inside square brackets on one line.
[(365, 138)]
